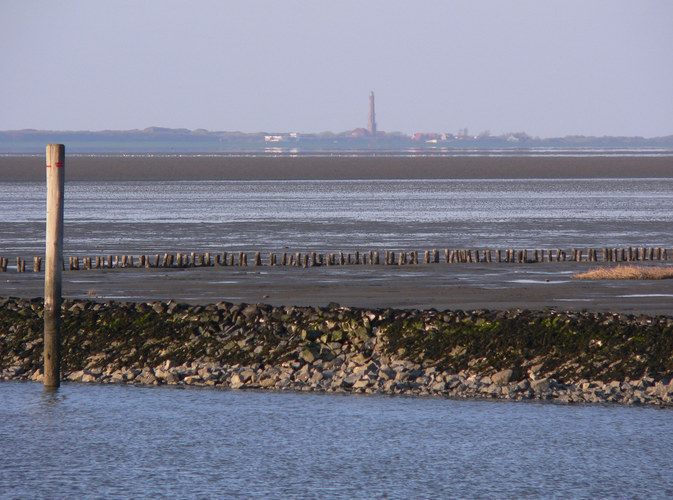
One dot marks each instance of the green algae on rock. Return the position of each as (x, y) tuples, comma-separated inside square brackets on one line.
[(514, 354)]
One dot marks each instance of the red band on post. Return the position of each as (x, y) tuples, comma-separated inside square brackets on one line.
[(48, 166), (59, 164)]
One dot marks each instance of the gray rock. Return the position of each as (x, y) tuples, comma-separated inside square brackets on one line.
[(192, 380), (362, 383), (452, 381), (308, 355), (540, 386), (235, 382), (246, 375), (76, 376), (439, 386), (502, 377), (493, 390), (268, 381), (349, 381), (87, 378), (660, 389), (387, 374)]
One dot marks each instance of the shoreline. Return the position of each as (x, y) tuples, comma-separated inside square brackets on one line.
[(150, 168), (568, 357)]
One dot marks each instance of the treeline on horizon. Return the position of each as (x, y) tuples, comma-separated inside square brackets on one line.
[(158, 139)]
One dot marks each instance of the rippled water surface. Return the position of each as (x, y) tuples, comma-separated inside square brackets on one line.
[(123, 442), (135, 217)]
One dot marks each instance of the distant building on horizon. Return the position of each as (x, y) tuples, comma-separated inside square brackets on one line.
[(371, 125)]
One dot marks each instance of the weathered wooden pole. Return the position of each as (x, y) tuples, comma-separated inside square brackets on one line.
[(53, 266)]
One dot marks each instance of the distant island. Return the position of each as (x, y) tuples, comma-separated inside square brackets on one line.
[(361, 140)]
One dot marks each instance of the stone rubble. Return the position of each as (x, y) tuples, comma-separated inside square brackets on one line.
[(378, 375), (347, 354)]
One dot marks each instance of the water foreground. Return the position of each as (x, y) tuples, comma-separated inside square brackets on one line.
[(126, 441), (565, 356)]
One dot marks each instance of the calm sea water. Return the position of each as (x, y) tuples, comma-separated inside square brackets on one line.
[(129, 442), (149, 217)]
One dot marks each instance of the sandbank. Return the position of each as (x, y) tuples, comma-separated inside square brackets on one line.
[(156, 168)]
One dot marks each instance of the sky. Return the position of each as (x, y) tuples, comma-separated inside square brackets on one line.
[(547, 68)]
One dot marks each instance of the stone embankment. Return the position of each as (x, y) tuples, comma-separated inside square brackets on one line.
[(562, 356)]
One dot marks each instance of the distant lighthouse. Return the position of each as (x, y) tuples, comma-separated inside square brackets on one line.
[(371, 126)]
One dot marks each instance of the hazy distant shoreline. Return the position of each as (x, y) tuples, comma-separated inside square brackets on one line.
[(141, 167)]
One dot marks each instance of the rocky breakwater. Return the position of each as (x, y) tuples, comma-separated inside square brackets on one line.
[(563, 356)]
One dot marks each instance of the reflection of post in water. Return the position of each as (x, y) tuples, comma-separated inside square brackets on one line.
[(53, 265)]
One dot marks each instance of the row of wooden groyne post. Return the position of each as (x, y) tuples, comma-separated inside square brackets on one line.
[(375, 257)]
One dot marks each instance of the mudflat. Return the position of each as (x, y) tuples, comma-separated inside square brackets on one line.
[(461, 286), (439, 286), (81, 167)]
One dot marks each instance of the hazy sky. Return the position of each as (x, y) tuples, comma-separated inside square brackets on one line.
[(549, 68)]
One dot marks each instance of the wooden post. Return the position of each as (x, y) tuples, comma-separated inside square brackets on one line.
[(53, 266)]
